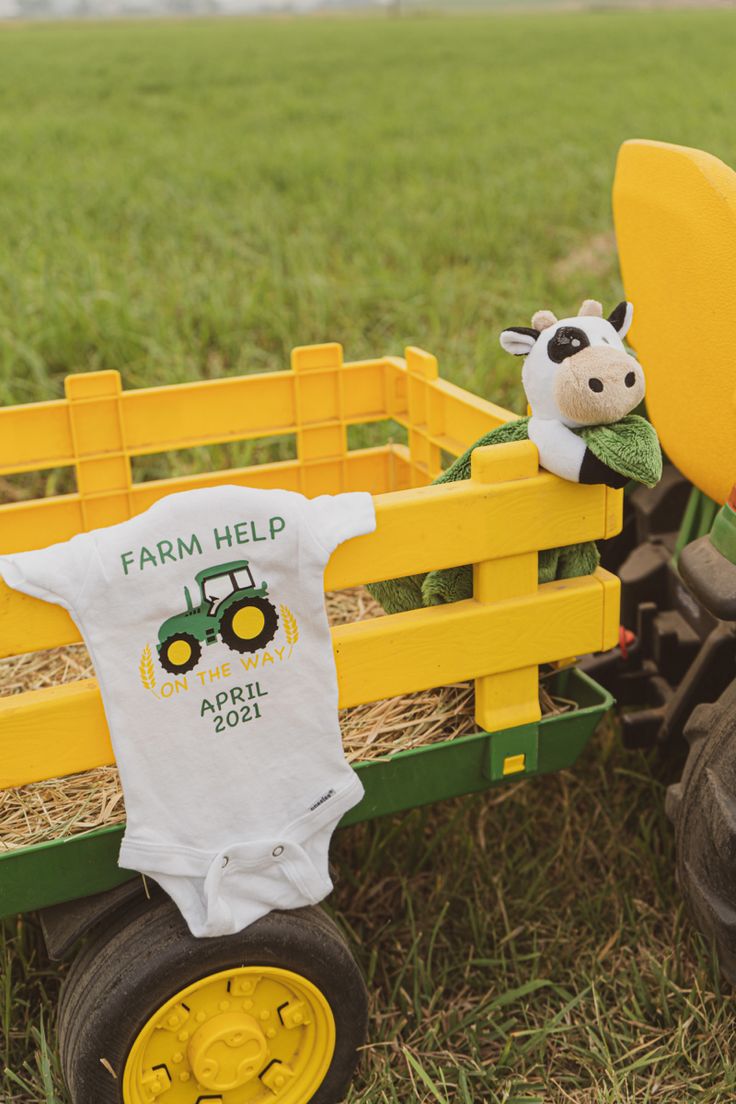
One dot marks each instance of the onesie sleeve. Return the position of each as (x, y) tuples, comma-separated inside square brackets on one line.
[(55, 574), (333, 519)]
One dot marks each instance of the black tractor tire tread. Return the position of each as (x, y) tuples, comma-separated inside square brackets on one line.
[(703, 807), (673, 801), (264, 637), (149, 950), (196, 646), (724, 912), (701, 721), (72, 991), (723, 814)]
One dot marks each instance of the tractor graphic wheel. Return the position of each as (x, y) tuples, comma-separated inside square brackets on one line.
[(249, 624), (180, 653)]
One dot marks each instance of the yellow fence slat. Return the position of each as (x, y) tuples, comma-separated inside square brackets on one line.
[(160, 419), (179, 416), (467, 522), (30, 625), (40, 522), (102, 461), (319, 387), (35, 436), (46, 733), (51, 733), (417, 530), (510, 697), (467, 640), (422, 373)]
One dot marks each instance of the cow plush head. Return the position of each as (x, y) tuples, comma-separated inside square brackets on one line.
[(576, 369)]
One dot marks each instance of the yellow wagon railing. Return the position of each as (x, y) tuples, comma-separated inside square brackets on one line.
[(498, 520)]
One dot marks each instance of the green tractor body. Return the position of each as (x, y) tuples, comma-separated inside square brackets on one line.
[(231, 608)]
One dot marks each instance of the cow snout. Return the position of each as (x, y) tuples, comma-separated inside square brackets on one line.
[(598, 386)]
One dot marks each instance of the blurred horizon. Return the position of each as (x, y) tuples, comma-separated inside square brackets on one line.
[(38, 10), (105, 9)]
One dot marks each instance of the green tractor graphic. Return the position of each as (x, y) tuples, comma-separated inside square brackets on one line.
[(231, 607)]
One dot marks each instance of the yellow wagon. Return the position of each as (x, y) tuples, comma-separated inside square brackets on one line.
[(149, 1013)]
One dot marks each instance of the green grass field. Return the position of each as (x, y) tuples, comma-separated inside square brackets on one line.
[(190, 200)]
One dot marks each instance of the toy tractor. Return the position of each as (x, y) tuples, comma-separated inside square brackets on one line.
[(675, 674), (230, 606)]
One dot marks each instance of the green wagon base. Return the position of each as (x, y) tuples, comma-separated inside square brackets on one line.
[(49, 873)]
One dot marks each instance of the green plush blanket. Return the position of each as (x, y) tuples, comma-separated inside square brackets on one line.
[(630, 447)]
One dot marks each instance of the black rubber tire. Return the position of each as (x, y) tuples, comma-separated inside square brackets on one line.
[(182, 668), (131, 967), (267, 633), (702, 807)]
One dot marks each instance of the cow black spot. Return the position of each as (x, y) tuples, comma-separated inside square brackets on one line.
[(595, 384), (630, 379), (567, 341)]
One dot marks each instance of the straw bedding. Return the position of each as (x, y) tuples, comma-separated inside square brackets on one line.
[(63, 807)]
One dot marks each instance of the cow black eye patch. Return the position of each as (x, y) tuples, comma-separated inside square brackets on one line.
[(567, 341)]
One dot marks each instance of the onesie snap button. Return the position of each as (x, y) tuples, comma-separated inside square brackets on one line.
[(277, 851)]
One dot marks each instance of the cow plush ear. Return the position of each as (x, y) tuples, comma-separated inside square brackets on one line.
[(543, 319), (620, 318), (518, 340)]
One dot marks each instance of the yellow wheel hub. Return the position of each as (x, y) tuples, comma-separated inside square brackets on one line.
[(248, 622), (179, 652), (227, 1051), (252, 1035)]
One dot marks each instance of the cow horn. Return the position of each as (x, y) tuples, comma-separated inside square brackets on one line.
[(592, 308)]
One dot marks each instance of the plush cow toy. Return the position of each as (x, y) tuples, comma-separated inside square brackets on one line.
[(576, 373), (581, 386)]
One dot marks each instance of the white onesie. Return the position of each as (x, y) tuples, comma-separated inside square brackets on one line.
[(206, 623)]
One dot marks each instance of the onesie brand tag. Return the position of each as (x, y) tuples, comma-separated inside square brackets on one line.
[(321, 800)]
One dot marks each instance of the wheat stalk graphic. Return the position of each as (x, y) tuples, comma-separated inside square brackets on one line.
[(291, 628), (146, 669)]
